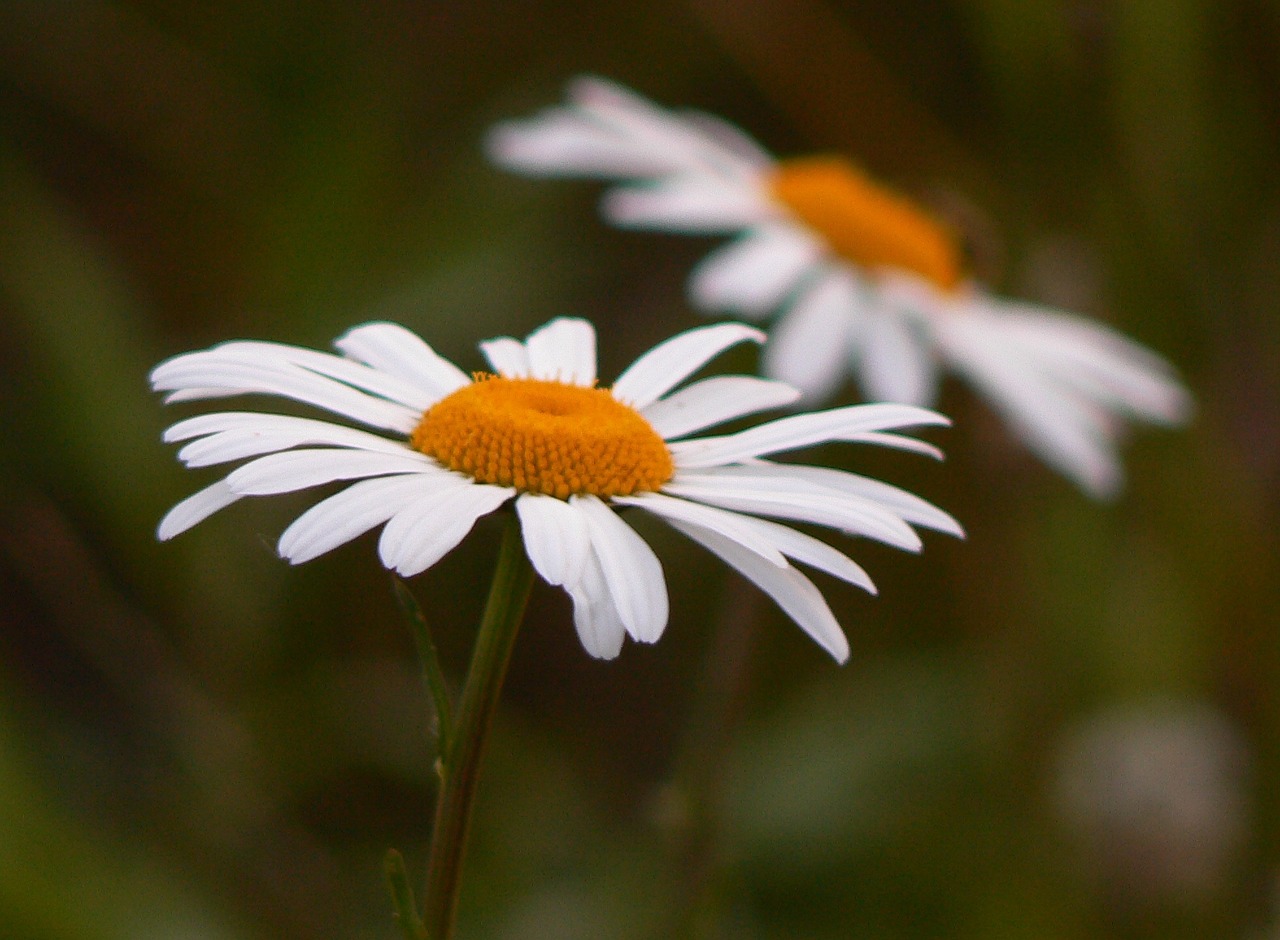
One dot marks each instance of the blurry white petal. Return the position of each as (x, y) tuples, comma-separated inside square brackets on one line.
[(423, 533), (852, 423), (670, 362), (236, 435), (896, 362), (195, 509), (556, 537), (1069, 433), (753, 274), (631, 570), (693, 204), (350, 513), (300, 469), (595, 616), (713, 401), (791, 590), (733, 526), (810, 344), (560, 143), (563, 351), (507, 356), (402, 353)]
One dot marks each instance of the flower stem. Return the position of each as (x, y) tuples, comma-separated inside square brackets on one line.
[(512, 581)]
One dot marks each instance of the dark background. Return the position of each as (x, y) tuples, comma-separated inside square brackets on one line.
[(1065, 727)]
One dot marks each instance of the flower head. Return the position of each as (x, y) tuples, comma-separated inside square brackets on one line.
[(538, 431), (865, 280)]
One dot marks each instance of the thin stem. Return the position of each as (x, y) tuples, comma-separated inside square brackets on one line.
[(461, 763), (406, 913)]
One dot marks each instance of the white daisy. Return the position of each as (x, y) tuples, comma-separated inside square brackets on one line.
[(540, 432), (866, 281)]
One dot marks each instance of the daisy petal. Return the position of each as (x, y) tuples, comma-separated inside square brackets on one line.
[(851, 423), (563, 351), (300, 469), (402, 353), (556, 538), (713, 401), (795, 499), (236, 435), (733, 526), (809, 346), (695, 204), (807, 550), (897, 364), (350, 513), (595, 616), (631, 570), (507, 356), (906, 505), (671, 362), (558, 143), (791, 590), (195, 509), (424, 532), (753, 274)]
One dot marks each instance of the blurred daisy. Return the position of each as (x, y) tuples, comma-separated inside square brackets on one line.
[(540, 432), (865, 280)]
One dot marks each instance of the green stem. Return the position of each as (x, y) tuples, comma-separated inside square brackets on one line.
[(512, 581)]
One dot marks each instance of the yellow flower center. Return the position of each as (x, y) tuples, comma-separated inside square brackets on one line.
[(544, 437), (866, 223)]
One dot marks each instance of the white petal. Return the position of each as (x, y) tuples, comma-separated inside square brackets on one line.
[(195, 509), (352, 512), (507, 356), (690, 203), (1096, 361), (792, 591), (558, 143), (733, 526), (631, 570), (564, 350), (243, 434), (896, 362), (852, 423), (670, 362), (907, 506), (209, 374), (809, 346), (595, 616), (1069, 433), (396, 351), (424, 532), (713, 401), (898, 442), (556, 538), (753, 274), (796, 499), (807, 550), (299, 469)]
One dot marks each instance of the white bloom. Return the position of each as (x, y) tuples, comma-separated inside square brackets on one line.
[(540, 432), (866, 281)]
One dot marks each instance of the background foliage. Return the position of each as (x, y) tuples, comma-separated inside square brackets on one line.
[(1066, 727)]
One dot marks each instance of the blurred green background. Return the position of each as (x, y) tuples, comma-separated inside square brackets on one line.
[(1066, 727)]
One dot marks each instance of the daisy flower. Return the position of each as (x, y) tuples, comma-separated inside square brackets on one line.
[(865, 281), (447, 448)]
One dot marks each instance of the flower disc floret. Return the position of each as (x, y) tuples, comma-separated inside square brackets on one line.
[(545, 437), (864, 222)]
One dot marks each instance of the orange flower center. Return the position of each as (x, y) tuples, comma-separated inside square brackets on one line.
[(544, 437), (866, 223)]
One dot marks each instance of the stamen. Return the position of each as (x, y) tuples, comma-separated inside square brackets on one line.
[(865, 222), (545, 437)]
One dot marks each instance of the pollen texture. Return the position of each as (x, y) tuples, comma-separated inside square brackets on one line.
[(865, 222), (544, 437)]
